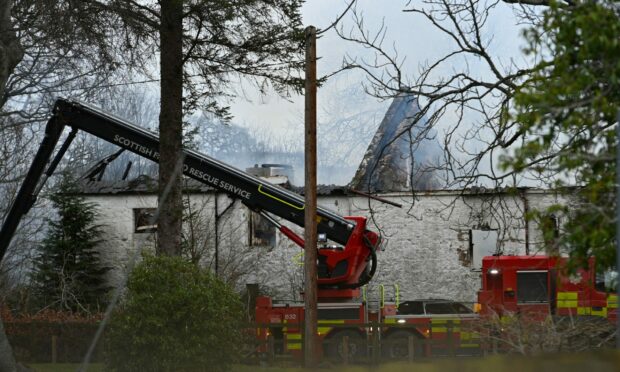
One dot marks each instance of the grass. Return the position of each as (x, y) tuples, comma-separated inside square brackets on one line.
[(64, 367), (586, 362)]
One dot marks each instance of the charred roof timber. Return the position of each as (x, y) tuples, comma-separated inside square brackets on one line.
[(401, 153)]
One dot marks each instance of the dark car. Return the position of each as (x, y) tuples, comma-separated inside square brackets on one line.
[(433, 307)]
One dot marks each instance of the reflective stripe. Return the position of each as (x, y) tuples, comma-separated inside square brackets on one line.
[(567, 295), (322, 329), (293, 341), (584, 310), (442, 325), (445, 321), (567, 300), (612, 301), (602, 312), (470, 339)]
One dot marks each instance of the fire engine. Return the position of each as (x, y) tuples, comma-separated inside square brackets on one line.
[(542, 285)]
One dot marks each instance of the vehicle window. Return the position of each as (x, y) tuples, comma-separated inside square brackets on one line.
[(411, 308), (532, 287), (461, 309), (440, 308)]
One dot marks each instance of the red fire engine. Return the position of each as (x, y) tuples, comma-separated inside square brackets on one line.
[(536, 286), (541, 285)]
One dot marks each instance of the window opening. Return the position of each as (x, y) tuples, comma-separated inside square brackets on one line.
[(143, 220), (532, 287), (262, 233), (481, 243)]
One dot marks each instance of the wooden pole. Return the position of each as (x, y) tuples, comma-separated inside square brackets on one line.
[(54, 349), (310, 234), (618, 230)]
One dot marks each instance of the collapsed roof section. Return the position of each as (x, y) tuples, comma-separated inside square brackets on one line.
[(401, 155)]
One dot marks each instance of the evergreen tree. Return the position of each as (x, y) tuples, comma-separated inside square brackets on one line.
[(68, 272)]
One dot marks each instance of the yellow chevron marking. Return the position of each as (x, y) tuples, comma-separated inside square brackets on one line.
[(280, 200)]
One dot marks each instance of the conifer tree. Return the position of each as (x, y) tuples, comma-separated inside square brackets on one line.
[(69, 274)]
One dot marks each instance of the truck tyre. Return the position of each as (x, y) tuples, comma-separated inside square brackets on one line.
[(395, 345), (334, 346)]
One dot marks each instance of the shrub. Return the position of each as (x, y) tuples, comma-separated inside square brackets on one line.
[(175, 317)]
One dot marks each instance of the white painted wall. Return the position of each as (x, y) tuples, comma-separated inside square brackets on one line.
[(426, 250)]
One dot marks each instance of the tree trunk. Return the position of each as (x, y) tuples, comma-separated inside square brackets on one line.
[(170, 127), (11, 52)]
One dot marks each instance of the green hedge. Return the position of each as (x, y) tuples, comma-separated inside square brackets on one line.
[(32, 341)]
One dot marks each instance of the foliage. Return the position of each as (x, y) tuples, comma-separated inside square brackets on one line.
[(259, 41), (526, 335), (176, 317), (567, 110), (68, 272)]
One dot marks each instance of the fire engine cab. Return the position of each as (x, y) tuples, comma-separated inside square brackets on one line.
[(541, 285)]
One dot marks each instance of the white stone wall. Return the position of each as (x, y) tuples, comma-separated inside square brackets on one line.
[(426, 249)]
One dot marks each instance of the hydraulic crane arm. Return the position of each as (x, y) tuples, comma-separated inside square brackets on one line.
[(256, 194)]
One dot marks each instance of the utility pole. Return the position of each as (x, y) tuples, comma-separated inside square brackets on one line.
[(310, 233), (618, 229)]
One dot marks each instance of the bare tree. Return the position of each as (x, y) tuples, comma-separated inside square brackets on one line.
[(465, 96), (468, 105), (528, 335), (217, 237)]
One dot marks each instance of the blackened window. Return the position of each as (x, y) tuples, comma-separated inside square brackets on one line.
[(532, 287), (549, 226), (143, 220), (262, 233)]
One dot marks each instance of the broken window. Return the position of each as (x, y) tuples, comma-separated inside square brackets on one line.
[(143, 220), (550, 228), (532, 286), (262, 233), (481, 243)]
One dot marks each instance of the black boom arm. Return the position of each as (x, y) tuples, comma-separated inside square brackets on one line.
[(255, 193)]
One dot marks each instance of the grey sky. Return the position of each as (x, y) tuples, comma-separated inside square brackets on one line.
[(412, 36)]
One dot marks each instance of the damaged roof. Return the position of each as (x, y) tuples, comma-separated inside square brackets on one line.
[(401, 154), (147, 185), (140, 185)]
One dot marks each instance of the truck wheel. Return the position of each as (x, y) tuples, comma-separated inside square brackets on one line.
[(335, 348), (396, 345)]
